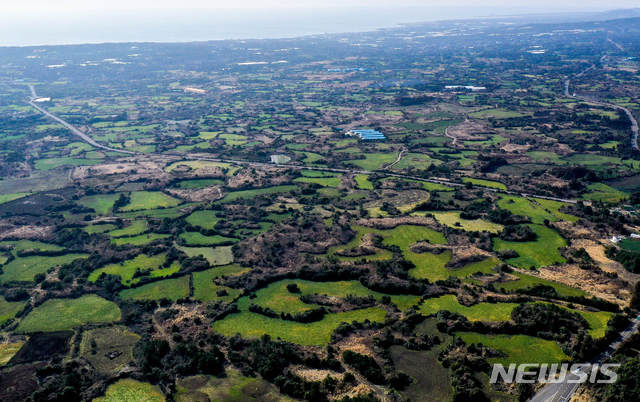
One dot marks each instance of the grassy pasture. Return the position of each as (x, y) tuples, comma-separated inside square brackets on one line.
[(65, 314), (52, 163), (452, 218), (206, 219), (323, 181), (92, 229), (432, 382), (150, 200), (108, 339), (256, 192), (8, 350), (518, 348), (128, 390), (215, 255), (554, 207), (9, 309), (543, 251), (363, 182), (19, 245), (374, 161), (477, 312), (206, 290), (195, 165), (526, 207), (253, 325), (135, 228), (419, 161), (602, 192), (630, 245), (172, 289), (526, 281), (139, 240), (25, 268), (127, 269), (485, 183), (101, 203), (198, 239), (4, 198), (199, 183)]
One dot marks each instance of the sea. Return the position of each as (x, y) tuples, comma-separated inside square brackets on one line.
[(35, 27)]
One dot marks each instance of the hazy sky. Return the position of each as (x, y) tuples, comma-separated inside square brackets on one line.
[(41, 5)]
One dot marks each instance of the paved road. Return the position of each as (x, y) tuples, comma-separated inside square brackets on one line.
[(89, 140), (562, 392)]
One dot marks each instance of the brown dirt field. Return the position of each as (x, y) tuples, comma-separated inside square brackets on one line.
[(28, 232), (314, 374), (470, 130), (206, 194), (596, 251)]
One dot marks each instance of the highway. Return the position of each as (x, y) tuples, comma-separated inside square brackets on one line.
[(563, 391)]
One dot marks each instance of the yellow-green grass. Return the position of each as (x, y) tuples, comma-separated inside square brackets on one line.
[(485, 183), (323, 181), (435, 186), (232, 387), (142, 262), (202, 164), (52, 163), (65, 314), (539, 253), (526, 281), (139, 240), (518, 349), (106, 340), (8, 350), (92, 229), (418, 161), (317, 173), (4, 198), (597, 320), (476, 225), (25, 268), (9, 309), (150, 200), (233, 139), (477, 312), (253, 325), (374, 161), (602, 192), (526, 207), (541, 156), (158, 213), (205, 290), (496, 113), (172, 289), (199, 183), (215, 255), (129, 390), (206, 219), (135, 228), (198, 239), (363, 182), (19, 245), (102, 203), (554, 207), (379, 255), (256, 192)]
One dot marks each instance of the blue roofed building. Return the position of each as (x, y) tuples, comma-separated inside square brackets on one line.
[(367, 134)]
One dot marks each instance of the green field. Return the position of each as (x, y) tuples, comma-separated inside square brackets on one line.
[(215, 255), (134, 229), (206, 290), (554, 208), (526, 281), (143, 263), (9, 309), (4, 198), (100, 203), (65, 314), (25, 268), (48, 164), (543, 251), (253, 325), (206, 219), (485, 183), (128, 390), (477, 312), (8, 350), (322, 181), (630, 244), (139, 240), (597, 321), (602, 192), (92, 229), (374, 161), (526, 207), (419, 161), (198, 239), (150, 200), (518, 348), (259, 191), (172, 289), (199, 183), (452, 219), (363, 182)]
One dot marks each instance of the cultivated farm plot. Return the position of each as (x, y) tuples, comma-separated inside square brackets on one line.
[(102, 203), (9, 309), (134, 229), (24, 269), (204, 289), (142, 262), (150, 200), (541, 252), (215, 255), (477, 312), (139, 240), (198, 239), (374, 161), (128, 390), (485, 183), (65, 314), (206, 219), (518, 349), (363, 182), (172, 289)]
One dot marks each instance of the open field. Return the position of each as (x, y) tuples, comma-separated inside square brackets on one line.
[(205, 290), (128, 390), (484, 183), (526, 207), (198, 239), (102, 203), (452, 219), (363, 182), (134, 229), (139, 240), (543, 251), (10, 197), (150, 200), (256, 192), (92, 229), (602, 192), (374, 161), (7, 351), (232, 387), (25, 268), (199, 183), (322, 181), (477, 312), (172, 289), (253, 325), (215, 255), (142, 262), (48, 164), (518, 348), (432, 381), (202, 164), (630, 244), (526, 281), (554, 208), (65, 314), (9, 309), (107, 340), (206, 219)]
